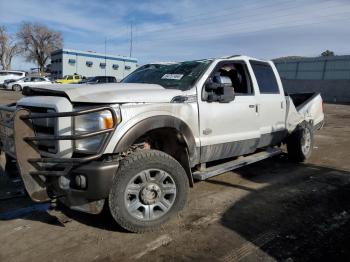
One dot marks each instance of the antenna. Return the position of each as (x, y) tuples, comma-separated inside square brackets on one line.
[(131, 39)]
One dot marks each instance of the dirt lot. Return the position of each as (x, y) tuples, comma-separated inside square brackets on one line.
[(272, 210)]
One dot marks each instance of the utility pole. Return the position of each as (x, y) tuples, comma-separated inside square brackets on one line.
[(131, 40), (105, 56)]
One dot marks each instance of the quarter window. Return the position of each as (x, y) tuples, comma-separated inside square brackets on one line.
[(265, 77)]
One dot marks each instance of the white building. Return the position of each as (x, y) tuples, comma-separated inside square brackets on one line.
[(69, 62)]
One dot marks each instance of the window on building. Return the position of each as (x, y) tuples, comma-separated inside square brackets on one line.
[(103, 65), (89, 63), (71, 61), (266, 78), (127, 67), (59, 60), (115, 67)]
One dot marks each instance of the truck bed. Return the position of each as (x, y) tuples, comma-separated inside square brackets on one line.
[(300, 98), (304, 107)]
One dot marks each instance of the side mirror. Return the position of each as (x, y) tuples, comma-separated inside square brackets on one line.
[(221, 93)]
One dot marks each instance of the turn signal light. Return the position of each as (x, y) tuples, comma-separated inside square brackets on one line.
[(108, 122)]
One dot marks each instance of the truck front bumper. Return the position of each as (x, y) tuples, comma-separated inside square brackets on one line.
[(77, 181)]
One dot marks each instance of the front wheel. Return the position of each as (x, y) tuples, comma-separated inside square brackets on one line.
[(148, 189), (16, 88), (300, 143)]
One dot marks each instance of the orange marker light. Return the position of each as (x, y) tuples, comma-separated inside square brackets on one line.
[(108, 122)]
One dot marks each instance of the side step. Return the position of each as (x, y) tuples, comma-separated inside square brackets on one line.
[(242, 161)]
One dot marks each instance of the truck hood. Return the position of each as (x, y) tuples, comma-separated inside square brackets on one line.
[(108, 93)]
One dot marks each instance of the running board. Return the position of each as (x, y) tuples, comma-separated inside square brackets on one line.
[(228, 166)]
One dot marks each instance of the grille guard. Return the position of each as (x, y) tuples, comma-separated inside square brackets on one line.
[(17, 137)]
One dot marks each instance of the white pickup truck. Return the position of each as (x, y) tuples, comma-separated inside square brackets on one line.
[(137, 146)]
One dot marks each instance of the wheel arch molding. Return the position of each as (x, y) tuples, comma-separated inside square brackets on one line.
[(158, 122)]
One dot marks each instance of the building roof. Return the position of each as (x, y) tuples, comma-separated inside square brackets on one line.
[(94, 55), (311, 59)]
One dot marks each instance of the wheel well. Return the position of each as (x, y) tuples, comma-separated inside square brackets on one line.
[(170, 141)]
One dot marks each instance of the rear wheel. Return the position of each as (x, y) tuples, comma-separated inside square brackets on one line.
[(16, 88), (148, 189), (300, 143)]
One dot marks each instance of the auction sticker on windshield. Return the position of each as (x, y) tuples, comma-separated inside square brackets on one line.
[(172, 76)]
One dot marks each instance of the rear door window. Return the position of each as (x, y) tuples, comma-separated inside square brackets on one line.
[(265, 77)]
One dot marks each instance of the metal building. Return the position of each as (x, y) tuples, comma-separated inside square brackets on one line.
[(69, 62), (328, 75), (315, 68)]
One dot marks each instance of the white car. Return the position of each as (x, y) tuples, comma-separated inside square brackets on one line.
[(7, 75), (32, 81)]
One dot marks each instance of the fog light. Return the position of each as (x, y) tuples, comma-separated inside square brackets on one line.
[(80, 181)]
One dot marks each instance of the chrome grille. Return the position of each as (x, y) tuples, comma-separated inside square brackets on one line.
[(44, 127)]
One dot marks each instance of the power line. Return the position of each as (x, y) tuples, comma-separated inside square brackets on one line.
[(220, 16), (271, 27), (131, 36), (249, 19)]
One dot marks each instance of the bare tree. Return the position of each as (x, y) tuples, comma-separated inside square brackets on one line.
[(8, 48), (38, 42)]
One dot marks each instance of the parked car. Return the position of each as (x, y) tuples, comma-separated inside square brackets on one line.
[(69, 79), (10, 75), (99, 80), (137, 146), (27, 81)]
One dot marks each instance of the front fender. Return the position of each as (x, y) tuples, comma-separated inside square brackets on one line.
[(156, 122)]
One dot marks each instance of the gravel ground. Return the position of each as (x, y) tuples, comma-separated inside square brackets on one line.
[(272, 210)]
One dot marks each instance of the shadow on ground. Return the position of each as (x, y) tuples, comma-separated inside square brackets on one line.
[(15, 203), (304, 215), (301, 212)]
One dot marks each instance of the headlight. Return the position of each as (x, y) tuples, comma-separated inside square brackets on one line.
[(91, 123)]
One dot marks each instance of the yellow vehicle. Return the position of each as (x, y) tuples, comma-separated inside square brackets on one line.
[(69, 79)]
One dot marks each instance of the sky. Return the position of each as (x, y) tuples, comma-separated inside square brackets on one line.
[(169, 30)]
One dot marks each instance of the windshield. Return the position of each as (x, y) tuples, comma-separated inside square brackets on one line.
[(172, 75)]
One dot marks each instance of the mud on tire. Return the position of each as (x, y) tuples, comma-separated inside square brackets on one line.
[(148, 189), (300, 143)]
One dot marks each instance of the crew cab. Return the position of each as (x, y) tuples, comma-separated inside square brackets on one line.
[(139, 145), (69, 79)]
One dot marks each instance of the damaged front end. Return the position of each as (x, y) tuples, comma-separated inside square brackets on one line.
[(80, 181)]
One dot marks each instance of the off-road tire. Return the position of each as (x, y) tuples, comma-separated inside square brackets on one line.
[(296, 141), (16, 88), (130, 166)]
